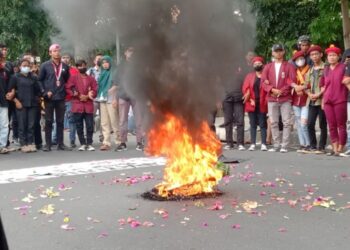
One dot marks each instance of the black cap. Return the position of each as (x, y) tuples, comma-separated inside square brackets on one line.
[(277, 46)]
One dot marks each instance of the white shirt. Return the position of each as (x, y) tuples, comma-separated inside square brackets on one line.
[(277, 70)]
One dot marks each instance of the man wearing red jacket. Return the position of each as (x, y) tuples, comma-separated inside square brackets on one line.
[(255, 103), (277, 79), (83, 89)]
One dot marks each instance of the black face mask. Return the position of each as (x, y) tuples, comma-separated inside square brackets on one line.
[(82, 70), (259, 68)]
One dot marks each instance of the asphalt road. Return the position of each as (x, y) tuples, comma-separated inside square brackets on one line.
[(271, 201)]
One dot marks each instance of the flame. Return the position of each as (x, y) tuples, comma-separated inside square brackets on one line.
[(191, 164)]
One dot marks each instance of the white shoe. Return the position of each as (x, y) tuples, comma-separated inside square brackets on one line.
[(90, 148), (283, 150), (82, 148), (263, 147), (241, 148), (272, 150), (252, 147)]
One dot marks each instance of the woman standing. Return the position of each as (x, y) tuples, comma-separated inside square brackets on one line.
[(24, 90), (299, 101), (106, 96), (335, 99), (254, 98)]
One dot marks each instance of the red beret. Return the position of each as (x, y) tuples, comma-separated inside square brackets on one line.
[(257, 59), (314, 48), (334, 49), (298, 54)]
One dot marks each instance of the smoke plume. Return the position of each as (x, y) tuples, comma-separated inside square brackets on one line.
[(187, 52)]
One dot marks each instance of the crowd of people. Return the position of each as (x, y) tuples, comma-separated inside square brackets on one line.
[(282, 93), (276, 95)]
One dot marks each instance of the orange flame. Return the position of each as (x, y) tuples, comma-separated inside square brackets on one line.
[(191, 165)]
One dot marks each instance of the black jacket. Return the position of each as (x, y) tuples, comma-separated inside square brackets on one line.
[(3, 87), (27, 89), (47, 80)]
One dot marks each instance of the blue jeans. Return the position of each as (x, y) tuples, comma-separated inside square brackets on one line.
[(301, 117), (69, 122), (4, 126), (256, 119)]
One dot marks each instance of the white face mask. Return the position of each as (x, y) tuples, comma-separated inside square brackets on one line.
[(25, 70), (300, 62)]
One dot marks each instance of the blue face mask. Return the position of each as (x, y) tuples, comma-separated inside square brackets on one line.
[(25, 70)]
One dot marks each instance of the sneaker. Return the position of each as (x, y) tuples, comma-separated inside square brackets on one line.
[(63, 147), (301, 149), (32, 148), (345, 154), (46, 148), (307, 150), (228, 147), (273, 150), (283, 150), (72, 144), (90, 148), (241, 147), (121, 147), (25, 149), (82, 148), (252, 147), (139, 147), (263, 147)]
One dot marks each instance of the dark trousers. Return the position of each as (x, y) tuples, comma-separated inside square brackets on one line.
[(256, 119), (51, 107), (13, 123), (234, 112), (38, 139), (314, 112), (211, 120), (3, 241), (79, 119), (26, 121)]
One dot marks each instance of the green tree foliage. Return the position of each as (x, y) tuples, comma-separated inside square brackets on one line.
[(24, 27), (285, 20)]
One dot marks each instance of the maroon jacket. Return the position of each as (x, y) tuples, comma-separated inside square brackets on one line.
[(82, 85), (286, 77), (248, 86)]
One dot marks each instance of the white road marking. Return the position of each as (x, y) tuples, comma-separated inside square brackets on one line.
[(81, 168)]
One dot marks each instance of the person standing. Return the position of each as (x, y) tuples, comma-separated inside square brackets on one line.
[(106, 96), (53, 76), (83, 89), (277, 78), (335, 99), (254, 98), (68, 116), (4, 118), (346, 61), (24, 90), (299, 101), (124, 103), (315, 93), (9, 68)]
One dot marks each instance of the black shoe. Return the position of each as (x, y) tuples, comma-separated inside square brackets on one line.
[(39, 146), (46, 148), (121, 147), (72, 144), (63, 147), (140, 146)]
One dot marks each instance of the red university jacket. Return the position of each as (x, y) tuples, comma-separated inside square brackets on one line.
[(286, 77), (248, 86), (76, 83)]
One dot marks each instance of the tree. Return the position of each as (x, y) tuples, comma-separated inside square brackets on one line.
[(24, 27), (346, 22)]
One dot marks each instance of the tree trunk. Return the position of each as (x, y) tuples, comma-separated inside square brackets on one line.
[(346, 23)]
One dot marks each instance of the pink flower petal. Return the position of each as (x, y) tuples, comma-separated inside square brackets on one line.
[(236, 226)]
